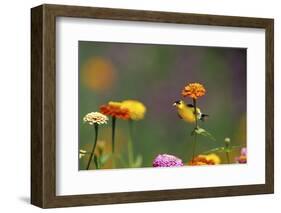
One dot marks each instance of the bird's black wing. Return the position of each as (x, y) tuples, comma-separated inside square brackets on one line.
[(204, 117)]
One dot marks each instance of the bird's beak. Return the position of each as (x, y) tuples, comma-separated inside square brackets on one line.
[(174, 104)]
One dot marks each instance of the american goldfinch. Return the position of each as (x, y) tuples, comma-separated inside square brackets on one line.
[(186, 112)]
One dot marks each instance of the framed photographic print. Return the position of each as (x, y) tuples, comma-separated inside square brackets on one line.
[(135, 106)]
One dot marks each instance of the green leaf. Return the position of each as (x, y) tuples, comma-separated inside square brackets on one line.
[(138, 161), (231, 148), (222, 149), (219, 149), (199, 130), (104, 158), (203, 132), (237, 147)]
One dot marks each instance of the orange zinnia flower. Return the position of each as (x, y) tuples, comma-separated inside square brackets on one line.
[(193, 90), (210, 159), (114, 110)]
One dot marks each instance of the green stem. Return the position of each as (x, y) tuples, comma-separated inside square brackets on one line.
[(94, 147), (130, 144), (227, 157), (96, 159), (196, 127), (113, 140), (195, 113), (227, 149), (194, 147)]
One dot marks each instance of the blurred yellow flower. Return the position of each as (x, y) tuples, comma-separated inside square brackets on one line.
[(211, 159), (193, 90), (136, 109), (98, 74)]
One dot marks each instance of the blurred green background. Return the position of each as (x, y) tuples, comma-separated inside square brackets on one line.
[(155, 75)]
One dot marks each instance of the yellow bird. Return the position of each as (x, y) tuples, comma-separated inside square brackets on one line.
[(186, 112)]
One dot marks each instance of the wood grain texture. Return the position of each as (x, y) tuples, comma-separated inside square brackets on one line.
[(36, 106), (43, 105), (269, 118)]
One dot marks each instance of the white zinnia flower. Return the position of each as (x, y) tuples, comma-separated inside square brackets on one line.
[(82, 153), (95, 118)]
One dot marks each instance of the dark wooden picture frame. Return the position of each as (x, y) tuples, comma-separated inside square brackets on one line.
[(43, 105)]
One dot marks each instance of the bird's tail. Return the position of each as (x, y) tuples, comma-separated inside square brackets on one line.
[(204, 117)]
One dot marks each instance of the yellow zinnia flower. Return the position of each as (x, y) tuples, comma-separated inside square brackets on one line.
[(136, 109), (211, 159)]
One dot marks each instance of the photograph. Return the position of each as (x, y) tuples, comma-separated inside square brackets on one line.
[(159, 105), (140, 105)]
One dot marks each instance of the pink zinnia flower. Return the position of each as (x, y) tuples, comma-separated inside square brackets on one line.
[(165, 160), (243, 156)]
